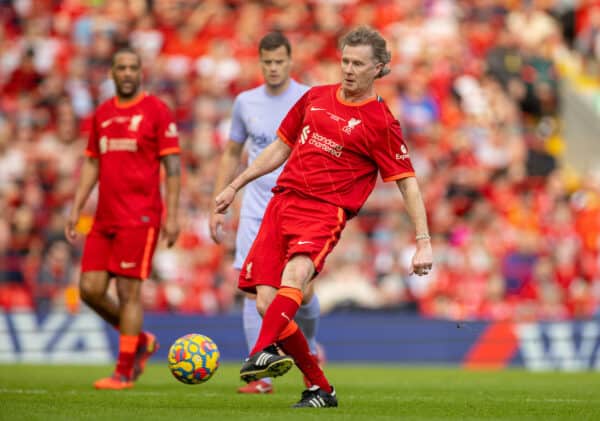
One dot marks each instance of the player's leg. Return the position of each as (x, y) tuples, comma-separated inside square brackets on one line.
[(260, 273), (278, 306), (92, 290), (321, 393), (282, 308), (131, 315), (308, 316), (293, 342), (95, 277), (310, 247), (129, 291), (311, 229), (266, 361), (252, 321), (278, 325), (135, 345), (298, 273), (130, 259)]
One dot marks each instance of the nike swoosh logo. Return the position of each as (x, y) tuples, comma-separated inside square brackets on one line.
[(317, 109), (285, 316), (262, 389), (127, 265), (304, 242)]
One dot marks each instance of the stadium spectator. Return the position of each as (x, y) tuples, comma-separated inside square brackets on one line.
[(587, 40)]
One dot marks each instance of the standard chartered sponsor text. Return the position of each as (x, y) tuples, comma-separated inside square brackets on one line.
[(326, 145)]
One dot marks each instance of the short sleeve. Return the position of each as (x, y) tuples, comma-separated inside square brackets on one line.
[(237, 132), (290, 126), (168, 138), (93, 149), (390, 152)]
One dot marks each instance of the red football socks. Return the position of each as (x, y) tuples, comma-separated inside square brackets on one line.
[(143, 338), (127, 348), (296, 347), (279, 314)]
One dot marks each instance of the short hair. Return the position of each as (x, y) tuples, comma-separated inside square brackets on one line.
[(125, 49), (274, 40), (363, 35)]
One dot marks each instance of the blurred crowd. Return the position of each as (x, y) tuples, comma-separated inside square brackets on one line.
[(474, 84)]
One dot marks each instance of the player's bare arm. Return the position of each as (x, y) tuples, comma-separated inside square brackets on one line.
[(172, 164), (422, 260), (270, 158), (89, 178), (230, 161)]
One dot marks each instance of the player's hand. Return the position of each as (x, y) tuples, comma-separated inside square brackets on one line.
[(70, 232), (171, 231), (224, 199), (422, 261), (217, 220)]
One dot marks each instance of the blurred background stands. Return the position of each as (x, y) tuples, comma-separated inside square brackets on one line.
[(497, 98)]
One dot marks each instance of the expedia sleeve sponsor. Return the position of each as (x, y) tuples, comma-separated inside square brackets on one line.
[(404, 153)]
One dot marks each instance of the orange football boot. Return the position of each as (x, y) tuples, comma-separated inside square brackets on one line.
[(115, 382), (143, 353), (256, 387)]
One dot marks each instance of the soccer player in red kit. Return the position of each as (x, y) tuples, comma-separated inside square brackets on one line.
[(335, 139), (131, 135)]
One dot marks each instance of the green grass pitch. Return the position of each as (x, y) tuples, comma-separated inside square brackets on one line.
[(365, 392)]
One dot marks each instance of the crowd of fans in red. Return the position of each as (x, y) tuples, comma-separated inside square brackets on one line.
[(473, 83)]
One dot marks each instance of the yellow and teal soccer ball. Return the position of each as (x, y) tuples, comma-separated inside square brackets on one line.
[(193, 358)]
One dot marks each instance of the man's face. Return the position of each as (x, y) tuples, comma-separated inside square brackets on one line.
[(127, 74), (275, 66), (358, 68)]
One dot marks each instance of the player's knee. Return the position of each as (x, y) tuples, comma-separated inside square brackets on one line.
[(128, 290), (300, 272), (262, 303), (89, 291), (261, 307), (264, 298)]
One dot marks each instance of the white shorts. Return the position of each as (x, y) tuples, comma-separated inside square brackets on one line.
[(247, 231)]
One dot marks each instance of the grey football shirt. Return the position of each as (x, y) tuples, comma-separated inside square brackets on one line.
[(256, 118)]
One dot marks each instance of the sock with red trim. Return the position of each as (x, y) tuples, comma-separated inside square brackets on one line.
[(127, 347), (280, 312), (296, 347)]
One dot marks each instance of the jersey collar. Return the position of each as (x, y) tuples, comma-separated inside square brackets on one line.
[(126, 104), (338, 95)]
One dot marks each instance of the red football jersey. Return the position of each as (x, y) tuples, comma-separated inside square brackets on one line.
[(338, 147), (129, 140)]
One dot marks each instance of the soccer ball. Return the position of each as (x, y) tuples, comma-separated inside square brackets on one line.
[(193, 358)]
